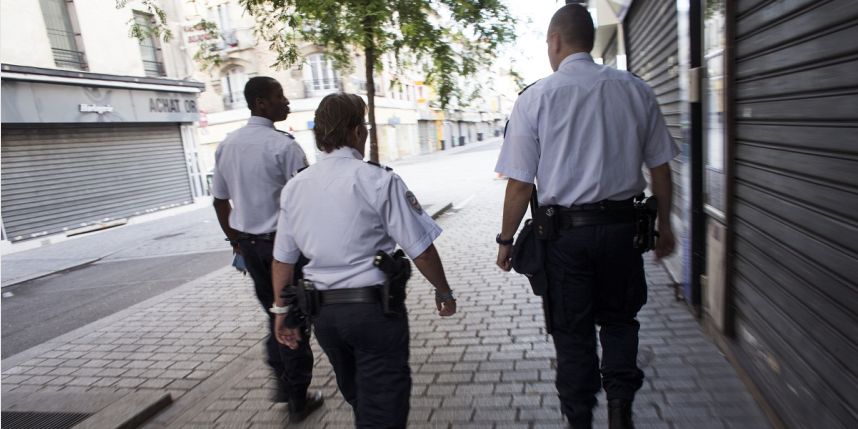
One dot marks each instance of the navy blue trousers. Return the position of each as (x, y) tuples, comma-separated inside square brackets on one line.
[(292, 368), (595, 277), (369, 353)]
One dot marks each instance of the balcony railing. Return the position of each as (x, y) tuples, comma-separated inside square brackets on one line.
[(154, 68), (69, 59), (317, 87), (234, 101), (362, 87)]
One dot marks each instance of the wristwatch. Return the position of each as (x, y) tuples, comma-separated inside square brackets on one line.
[(503, 242), (444, 297)]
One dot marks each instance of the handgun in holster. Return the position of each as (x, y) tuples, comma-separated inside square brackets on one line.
[(397, 269), (303, 299), (646, 211)]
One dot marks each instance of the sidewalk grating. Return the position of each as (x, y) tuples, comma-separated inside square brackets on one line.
[(37, 420)]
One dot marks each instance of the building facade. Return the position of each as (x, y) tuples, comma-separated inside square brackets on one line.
[(96, 125), (407, 116), (763, 98)]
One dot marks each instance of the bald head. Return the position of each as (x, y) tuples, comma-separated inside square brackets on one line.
[(575, 26)]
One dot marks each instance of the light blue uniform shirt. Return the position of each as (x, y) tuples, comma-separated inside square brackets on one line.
[(340, 211), (252, 165), (583, 133)]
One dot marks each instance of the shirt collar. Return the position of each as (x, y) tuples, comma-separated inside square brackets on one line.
[(259, 120), (580, 56), (343, 152)]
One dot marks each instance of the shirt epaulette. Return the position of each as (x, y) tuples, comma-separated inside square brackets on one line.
[(528, 86), (379, 165), (302, 169), (287, 134)]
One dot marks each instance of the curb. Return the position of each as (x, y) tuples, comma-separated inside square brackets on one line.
[(441, 211), (30, 277)]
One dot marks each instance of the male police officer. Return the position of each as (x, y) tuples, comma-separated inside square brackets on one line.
[(252, 166), (583, 134)]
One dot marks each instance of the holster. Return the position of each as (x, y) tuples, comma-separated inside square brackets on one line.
[(303, 300), (397, 270), (646, 211), (545, 222)]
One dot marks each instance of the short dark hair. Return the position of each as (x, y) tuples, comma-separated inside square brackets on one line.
[(335, 118), (575, 26), (259, 87)]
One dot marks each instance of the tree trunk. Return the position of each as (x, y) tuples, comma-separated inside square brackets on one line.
[(369, 53)]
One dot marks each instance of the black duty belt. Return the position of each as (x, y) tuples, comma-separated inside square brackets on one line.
[(602, 213), (359, 295), (268, 236)]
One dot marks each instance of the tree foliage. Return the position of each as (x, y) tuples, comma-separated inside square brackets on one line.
[(449, 39)]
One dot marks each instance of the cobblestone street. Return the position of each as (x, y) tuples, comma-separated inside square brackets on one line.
[(489, 366)]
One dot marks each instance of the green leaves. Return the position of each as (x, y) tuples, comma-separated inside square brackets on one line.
[(454, 38)]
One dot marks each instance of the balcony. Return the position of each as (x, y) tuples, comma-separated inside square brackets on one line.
[(361, 87), (234, 101), (322, 87), (154, 68), (68, 59)]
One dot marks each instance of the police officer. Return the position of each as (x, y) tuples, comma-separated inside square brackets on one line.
[(339, 213), (583, 134), (251, 167)]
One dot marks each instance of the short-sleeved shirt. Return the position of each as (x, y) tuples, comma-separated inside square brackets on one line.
[(583, 133), (251, 167), (340, 211)]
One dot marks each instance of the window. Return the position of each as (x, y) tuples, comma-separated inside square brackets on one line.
[(232, 83), (227, 33), (150, 46), (321, 77), (65, 44)]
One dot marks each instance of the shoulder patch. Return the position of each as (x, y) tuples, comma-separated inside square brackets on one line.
[(412, 201), (373, 163), (528, 86)]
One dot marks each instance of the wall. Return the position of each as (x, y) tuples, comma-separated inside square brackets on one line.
[(106, 41), (25, 45)]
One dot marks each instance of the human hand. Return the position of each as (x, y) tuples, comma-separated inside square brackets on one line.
[(289, 337), (504, 257), (665, 243), (445, 308)]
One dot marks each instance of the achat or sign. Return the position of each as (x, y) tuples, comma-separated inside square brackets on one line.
[(41, 102)]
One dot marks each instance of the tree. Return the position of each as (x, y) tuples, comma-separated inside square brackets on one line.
[(451, 38)]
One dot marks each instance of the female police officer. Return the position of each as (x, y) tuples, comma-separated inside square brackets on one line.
[(339, 213)]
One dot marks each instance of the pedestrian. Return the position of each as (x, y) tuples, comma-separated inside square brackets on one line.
[(583, 134), (252, 166), (339, 213)]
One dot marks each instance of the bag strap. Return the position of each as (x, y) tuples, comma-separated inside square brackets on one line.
[(534, 202)]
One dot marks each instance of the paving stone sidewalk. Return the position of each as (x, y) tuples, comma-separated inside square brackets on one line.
[(489, 366)]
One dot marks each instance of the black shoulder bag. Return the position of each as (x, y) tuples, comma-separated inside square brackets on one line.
[(528, 252)]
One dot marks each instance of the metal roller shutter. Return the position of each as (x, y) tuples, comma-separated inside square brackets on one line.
[(653, 54), (795, 280), (60, 178)]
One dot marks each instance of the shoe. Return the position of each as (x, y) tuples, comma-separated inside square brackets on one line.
[(312, 403), (620, 414)]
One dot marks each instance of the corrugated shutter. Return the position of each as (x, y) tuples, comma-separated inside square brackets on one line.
[(653, 54), (59, 178), (796, 206)]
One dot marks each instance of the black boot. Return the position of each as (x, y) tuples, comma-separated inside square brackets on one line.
[(620, 414), (300, 409)]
